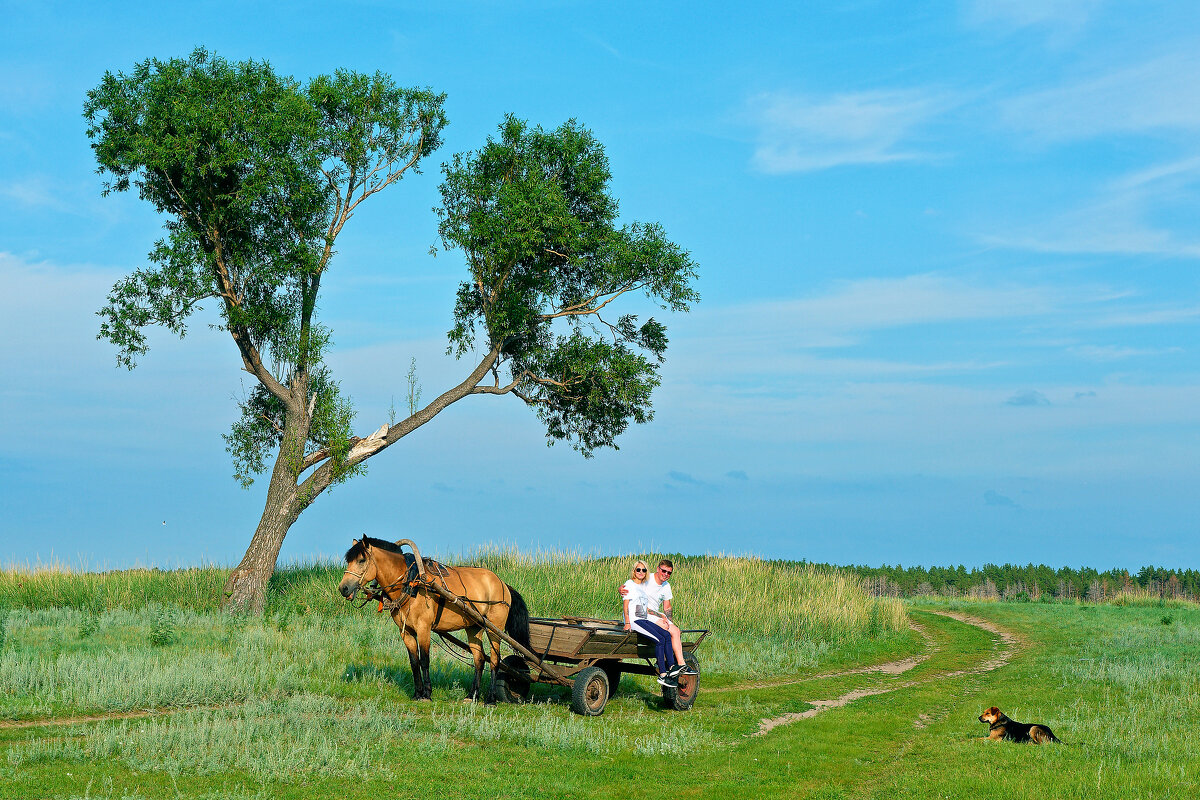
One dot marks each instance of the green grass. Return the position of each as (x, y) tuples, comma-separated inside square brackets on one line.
[(313, 699)]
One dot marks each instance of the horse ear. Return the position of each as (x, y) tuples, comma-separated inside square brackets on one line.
[(363, 541)]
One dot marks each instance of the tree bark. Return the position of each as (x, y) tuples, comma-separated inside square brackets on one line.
[(246, 589)]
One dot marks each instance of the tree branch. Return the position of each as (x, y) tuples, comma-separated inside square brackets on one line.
[(251, 359), (387, 435), (584, 308)]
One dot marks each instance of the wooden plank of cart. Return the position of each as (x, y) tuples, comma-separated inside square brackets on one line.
[(594, 653), (586, 655)]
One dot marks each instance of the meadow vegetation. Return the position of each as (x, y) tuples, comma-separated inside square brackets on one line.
[(154, 692)]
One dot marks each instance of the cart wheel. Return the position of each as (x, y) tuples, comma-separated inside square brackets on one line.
[(589, 693), (612, 669), (681, 698), (513, 688)]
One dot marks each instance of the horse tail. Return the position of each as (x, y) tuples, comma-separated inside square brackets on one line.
[(517, 624)]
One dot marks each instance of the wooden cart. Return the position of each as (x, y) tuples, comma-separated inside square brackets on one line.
[(589, 655)]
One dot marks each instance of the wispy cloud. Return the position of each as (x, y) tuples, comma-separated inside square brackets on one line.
[(34, 192), (1155, 95), (800, 133), (1131, 214), (840, 315), (1015, 14), (993, 498), (1104, 353), (1149, 316), (794, 337), (1028, 398)]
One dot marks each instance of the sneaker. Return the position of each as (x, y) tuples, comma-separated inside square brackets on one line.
[(675, 671), (667, 680), (689, 671)]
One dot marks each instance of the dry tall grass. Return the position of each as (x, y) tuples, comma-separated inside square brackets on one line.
[(728, 595)]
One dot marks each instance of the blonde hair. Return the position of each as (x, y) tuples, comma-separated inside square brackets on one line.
[(645, 574)]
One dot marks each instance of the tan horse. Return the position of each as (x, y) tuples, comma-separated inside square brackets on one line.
[(427, 612)]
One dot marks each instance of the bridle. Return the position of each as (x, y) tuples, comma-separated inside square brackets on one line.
[(369, 561), (377, 592)]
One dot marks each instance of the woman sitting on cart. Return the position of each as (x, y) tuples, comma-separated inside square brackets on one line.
[(648, 622)]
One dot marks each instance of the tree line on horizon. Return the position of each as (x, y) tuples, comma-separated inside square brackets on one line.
[(1029, 582)]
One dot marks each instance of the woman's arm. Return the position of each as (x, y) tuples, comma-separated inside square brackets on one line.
[(625, 611)]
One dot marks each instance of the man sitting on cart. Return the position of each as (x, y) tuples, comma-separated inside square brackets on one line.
[(643, 596)]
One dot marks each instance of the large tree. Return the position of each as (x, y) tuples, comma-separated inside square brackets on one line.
[(256, 175)]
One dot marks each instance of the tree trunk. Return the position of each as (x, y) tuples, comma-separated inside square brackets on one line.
[(246, 589)]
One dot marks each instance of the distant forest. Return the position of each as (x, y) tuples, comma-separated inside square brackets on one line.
[(1030, 583)]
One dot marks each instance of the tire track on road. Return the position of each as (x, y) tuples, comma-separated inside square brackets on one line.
[(1012, 646)]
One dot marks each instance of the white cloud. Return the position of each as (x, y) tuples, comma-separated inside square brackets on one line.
[(1154, 96), (1112, 352), (34, 192), (1121, 218), (800, 133), (1149, 316), (851, 308), (1029, 13)]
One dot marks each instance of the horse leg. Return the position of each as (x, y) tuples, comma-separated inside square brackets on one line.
[(414, 661), (475, 640), (494, 660), (423, 642)]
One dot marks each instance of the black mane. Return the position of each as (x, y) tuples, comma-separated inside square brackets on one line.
[(356, 549)]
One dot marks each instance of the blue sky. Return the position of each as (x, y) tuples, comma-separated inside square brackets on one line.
[(949, 262)]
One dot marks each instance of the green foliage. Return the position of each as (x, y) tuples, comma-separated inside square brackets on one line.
[(260, 430), (414, 388), (88, 625), (1021, 582), (532, 213), (255, 175), (228, 153), (162, 630)]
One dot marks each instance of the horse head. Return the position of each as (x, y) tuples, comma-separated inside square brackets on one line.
[(360, 569)]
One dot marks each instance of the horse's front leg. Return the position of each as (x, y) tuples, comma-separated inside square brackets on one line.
[(475, 641), (414, 661), (423, 641)]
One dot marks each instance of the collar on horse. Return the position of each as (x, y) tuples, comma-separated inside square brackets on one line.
[(413, 580)]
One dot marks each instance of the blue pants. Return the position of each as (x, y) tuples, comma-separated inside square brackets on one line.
[(663, 651)]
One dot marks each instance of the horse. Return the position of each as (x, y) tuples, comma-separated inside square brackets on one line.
[(425, 611)]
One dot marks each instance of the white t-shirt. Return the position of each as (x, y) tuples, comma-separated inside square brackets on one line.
[(656, 593), (636, 597)]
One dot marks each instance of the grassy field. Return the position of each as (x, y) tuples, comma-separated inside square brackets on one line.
[(133, 684)]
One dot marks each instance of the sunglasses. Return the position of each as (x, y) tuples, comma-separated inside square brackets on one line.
[(639, 569), (665, 571)]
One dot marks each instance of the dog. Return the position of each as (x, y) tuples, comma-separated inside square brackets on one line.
[(1001, 727)]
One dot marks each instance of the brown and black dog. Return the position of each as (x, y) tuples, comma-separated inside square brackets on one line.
[(1001, 727)]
